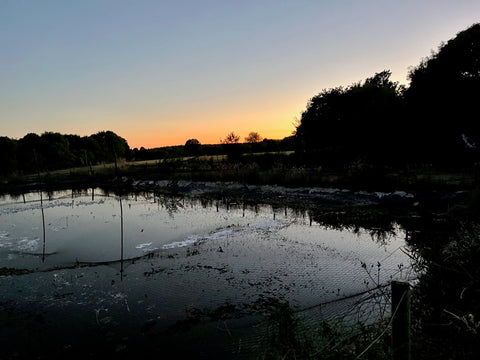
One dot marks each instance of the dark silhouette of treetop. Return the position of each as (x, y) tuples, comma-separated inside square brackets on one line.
[(443, 99), (231, 139), (433, 121), (192, 146), (52, 150), (191, 142), (8, 155), (352, 123), (253, 137)]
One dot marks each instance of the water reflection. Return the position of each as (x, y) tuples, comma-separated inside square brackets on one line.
[(179, 253), (381, 228), (171, 204), (234, 253)]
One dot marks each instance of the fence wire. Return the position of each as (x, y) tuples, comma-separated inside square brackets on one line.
[(323, 328)]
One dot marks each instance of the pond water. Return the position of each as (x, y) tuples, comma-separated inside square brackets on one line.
[(95, 268)]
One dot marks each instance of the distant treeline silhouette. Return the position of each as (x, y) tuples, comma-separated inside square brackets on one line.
[(376, 122), (193, 147), (52, 151), (433, 121)]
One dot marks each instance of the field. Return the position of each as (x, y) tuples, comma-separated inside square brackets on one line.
[(278, 168)]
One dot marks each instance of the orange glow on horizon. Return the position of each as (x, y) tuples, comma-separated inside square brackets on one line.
[(156, 140), (272, 121)]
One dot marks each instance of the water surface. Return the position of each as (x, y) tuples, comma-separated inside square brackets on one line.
[(93, 262)]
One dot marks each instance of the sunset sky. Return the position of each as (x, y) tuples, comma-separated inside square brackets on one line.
[(160, 72)]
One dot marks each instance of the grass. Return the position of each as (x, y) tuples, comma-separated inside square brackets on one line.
[(273, 168)]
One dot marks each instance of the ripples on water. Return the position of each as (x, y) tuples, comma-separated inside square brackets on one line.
[(179, 254)]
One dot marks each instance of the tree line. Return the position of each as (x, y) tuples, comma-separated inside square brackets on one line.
[(193, 147), (52, 151), (377, 121)]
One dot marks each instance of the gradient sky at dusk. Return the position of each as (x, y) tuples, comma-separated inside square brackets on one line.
[(160, 72)]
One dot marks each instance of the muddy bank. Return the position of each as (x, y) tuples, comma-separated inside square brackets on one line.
[(307, 195)]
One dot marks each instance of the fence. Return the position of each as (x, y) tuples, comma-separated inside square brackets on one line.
[(354, 327), (324, 327)]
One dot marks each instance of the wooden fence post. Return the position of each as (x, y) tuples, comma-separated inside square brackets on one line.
[(401, 320)]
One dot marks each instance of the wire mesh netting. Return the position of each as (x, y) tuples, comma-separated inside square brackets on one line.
[(228, 280)]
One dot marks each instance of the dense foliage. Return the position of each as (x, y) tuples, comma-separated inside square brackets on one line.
[(377, 121), (443, 100), (51, 151), (346, 124)]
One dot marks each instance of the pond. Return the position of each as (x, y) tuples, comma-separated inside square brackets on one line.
[(93, 270)]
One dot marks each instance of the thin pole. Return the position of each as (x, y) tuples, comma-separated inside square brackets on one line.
[(41, 205), (121, 239), (401, 320), (43, 226)]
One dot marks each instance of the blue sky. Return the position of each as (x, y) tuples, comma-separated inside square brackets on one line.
[(160, 72)]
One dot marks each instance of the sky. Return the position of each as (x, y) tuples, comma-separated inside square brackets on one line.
[(158, 73)]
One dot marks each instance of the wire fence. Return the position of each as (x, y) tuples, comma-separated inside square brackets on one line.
[(323, 330), (326, 327)]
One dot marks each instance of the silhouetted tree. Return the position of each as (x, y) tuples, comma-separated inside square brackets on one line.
[(80, 148), (373, 113), (443, 100), (231, 139), (192, 147), (110, 146), (253, 137), (231, 146), (55, 151), (8, 156), (346, 124), (433, 121), (27, 147)]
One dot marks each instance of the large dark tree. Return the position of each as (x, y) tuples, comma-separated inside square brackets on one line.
[(109, 146), (320, 124), (8, 155), (253, 138), (434, 121), (360, 122), (443, 101), (192, 147), (55, 151), (29, 158)]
